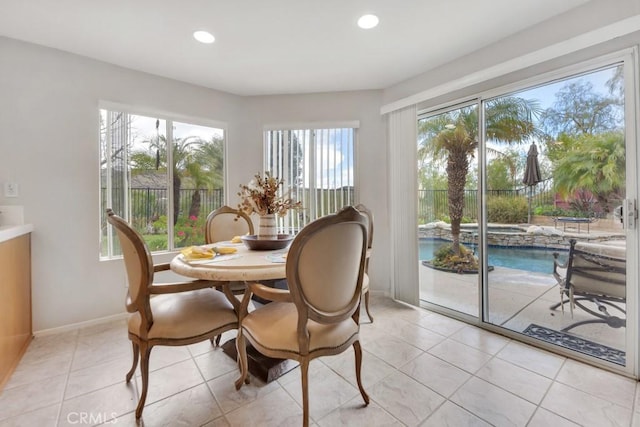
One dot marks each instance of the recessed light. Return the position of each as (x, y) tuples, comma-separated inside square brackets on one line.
[(368, 21), (204, 36)]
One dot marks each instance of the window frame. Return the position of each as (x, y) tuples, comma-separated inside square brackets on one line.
[(170, 119), (285, 224)]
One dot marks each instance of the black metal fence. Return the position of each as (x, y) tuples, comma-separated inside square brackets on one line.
[(149, 204), (433, 205)]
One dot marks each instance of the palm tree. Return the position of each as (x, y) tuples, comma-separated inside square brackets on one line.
[(193, 158), (206, 170), (455, 136)]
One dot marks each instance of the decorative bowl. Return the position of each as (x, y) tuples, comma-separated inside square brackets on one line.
[(252, 242)]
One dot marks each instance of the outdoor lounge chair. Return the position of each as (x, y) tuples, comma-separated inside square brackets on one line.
[(595, 273)]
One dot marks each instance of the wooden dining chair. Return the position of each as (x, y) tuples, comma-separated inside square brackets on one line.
[(365, 283), (319, 314), (222, 224), (178, 314), (225, 223)]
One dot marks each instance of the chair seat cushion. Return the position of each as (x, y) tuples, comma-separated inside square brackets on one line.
[(187, 314), (274, 326)]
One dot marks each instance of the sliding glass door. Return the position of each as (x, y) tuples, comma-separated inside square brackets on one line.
[(527, 212), (556, 250), (448, 208)]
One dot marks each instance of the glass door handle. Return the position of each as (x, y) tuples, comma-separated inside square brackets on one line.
[(629, 214)]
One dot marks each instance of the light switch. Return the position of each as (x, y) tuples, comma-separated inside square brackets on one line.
[(11, 189)]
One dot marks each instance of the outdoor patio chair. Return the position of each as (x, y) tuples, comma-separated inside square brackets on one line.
[(595, 273)]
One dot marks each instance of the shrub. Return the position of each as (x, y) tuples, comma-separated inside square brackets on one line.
[(549, 210), (463, 220), (156, 242), (444, 257), (507, 210), (189, 231)]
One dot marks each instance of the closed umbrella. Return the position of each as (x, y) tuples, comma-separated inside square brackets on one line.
[(531, 173)]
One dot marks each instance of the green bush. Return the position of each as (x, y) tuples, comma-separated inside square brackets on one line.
[(507, 210), (156, 242), (445, 257), (550, 210), (463, 220)]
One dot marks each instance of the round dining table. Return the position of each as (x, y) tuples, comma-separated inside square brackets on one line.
[(244, 265)]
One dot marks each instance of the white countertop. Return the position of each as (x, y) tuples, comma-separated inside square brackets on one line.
[(8, 232)]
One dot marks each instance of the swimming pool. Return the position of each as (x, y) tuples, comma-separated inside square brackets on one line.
[(538, 260)]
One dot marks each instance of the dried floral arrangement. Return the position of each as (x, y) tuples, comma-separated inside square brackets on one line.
[(261, 196)]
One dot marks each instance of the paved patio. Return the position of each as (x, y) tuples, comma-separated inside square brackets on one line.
[(516, 299)]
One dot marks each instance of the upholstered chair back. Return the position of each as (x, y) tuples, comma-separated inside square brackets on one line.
[(138, 265), (369, 216), (325, 267), (225, 223)]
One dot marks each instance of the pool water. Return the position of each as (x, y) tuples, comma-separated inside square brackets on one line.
[(538, 260)]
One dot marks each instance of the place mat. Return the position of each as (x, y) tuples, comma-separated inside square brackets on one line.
[(217, 258), (278, 258), (572, 342), (228, 243)]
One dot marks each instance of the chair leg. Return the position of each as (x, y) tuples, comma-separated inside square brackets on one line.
[(145, 351), (216, 341), (136, 352), (572, 303), (304, 370), (358, 352), (366, 305), (241, 349)]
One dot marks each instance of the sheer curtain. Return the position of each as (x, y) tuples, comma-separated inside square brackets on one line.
[(402, 147)]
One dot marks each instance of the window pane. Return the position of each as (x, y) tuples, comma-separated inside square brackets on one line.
[(198, 178), (133, 176), (138, 184), (578, 142), (148, 195), (447, 203), (318, 169)]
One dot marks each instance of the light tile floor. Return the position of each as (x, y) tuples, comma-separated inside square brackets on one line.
[(419, 368)]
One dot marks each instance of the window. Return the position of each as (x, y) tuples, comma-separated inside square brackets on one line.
[(163, 176), (317, 166)]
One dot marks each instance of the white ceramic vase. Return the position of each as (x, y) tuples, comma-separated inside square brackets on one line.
[(267, 229)]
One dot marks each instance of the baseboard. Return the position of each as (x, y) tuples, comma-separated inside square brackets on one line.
[(79, 325)]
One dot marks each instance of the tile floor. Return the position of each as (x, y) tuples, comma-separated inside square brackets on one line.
[(419, 368)]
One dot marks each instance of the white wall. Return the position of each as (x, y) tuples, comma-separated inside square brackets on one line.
[(591, 16), (49, 146)]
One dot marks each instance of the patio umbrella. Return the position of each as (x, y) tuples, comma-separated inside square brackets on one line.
[(531, 173)]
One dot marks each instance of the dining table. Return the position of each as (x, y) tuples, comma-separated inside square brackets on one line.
[(244, 265)]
